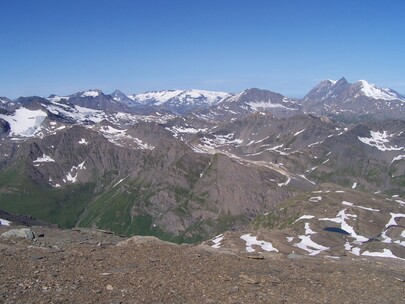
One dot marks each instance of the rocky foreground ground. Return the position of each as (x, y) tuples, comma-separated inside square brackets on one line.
[(90, 266)]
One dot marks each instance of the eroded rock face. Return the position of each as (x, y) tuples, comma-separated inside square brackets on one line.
[(4, 127)]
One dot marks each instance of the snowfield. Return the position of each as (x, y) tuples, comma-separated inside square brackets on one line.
[(25, 122)]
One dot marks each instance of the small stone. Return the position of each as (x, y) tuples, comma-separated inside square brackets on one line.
[(36, 257), (248, 279), (273, 280), (233, 289), (109, 287), (258, 256)]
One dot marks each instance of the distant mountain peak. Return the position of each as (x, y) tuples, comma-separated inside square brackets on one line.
[(179, 99), (354, 99), (342, 81), (375, 92), (92, 93), (330, 81)]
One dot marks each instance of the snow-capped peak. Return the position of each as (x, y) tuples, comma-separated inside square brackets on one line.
[(91, 93), (372, 91), (56, 98), (210, 96), (117, 95), (159, 97)]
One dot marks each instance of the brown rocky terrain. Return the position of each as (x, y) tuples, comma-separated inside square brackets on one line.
[(93, 266)]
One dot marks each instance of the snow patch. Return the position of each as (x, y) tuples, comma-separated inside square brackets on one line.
[(187, 130), (304, 177), (310, 246), (360, 207), (285, 183), (304, 217), (220, 140), (4, 222), (217, 241), (379, 141), (400, 202), (44, 159), (385, 254), (399, 157), (252, 240), (266, 105), (83, 142), (392, 221), (341, 219), (72, 175), (308, 230)]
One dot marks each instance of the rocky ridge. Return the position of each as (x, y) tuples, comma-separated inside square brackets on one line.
[(91, 266)]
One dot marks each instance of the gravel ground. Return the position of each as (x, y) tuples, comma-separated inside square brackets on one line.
[(87, 266)]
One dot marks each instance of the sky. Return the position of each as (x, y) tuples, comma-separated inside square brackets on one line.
[(62, 47)]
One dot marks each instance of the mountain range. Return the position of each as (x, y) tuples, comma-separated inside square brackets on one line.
[(186, 165)]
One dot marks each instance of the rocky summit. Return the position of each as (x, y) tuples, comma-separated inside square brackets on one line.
[(305, 196), (93, 266)]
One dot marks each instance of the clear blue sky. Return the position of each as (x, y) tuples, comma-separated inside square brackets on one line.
[(285, 46)]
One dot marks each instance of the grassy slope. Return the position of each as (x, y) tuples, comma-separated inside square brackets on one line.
[(21, 195)]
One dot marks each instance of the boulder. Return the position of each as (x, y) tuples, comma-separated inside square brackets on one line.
[(20, 233), (138, 240)]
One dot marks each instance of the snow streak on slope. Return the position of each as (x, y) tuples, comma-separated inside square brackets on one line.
[(266, 105)]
